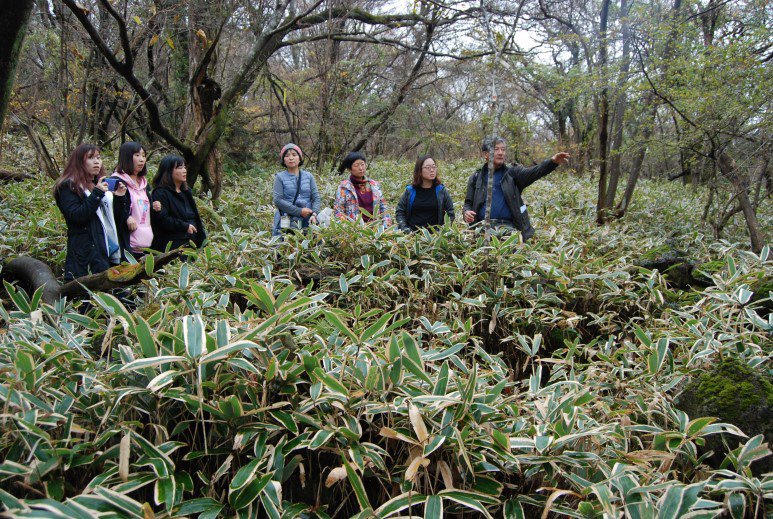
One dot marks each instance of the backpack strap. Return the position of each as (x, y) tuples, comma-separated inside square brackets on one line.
[(411, 197)]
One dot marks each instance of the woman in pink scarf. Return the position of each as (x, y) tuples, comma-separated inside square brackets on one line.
[(359, 195)]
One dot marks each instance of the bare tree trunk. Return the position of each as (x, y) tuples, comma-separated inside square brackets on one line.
[(601, 205), (620, 106), (13, 27), (45, 162), (727, 167)]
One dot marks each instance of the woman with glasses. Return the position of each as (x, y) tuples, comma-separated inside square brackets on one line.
[(426, 202)]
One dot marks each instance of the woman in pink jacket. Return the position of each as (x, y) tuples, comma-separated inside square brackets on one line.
[(135, 231)]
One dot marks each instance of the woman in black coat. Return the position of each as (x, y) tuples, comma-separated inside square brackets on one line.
[(426, 202), (90, 211), (177, 223)]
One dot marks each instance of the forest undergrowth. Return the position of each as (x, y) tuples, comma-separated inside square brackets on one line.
[(362, 372)]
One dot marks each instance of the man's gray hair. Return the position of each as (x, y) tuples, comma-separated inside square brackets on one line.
[(491, 142)]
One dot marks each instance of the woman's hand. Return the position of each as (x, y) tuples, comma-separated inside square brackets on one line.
[(469, 216), (131, 223), (157, 206), (101, 184), (306, 212), (120, 189), (192, 229)]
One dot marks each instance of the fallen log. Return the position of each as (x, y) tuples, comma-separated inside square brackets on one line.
[(32, 274), (13, 176)]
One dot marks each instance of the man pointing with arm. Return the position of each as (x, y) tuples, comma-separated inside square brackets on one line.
[(507, 208)]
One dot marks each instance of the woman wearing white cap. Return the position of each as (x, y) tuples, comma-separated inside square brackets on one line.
[(295, 192)]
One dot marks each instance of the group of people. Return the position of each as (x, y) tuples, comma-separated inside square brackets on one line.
[(110, 216), (426, 202)]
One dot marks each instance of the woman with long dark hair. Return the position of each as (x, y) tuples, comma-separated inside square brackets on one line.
[(176, 222), (426, 202), (135, 230), (87, 205), (358, 195)]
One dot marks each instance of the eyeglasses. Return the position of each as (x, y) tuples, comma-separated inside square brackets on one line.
[(432, 166)]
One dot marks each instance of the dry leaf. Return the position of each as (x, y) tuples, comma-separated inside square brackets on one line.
[(123, 456), (335, 475), (445, 471), (413, 468), (418, 423), (492, 324)]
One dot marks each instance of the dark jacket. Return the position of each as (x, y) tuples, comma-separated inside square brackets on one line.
[(86, 247), (515, 180), (168, 225), (404, 207)]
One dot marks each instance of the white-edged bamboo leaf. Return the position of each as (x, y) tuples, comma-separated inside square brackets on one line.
[(357, 486), (153, 361), (399, 503), (119, 502), (433, 509), (225, 351), (194, 335), (162, 380), (333, 319)]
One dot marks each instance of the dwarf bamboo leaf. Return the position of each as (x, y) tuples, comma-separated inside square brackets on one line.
[(153, 361), (194, 335)]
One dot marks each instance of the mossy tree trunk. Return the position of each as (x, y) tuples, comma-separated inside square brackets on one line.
[(13, 27)]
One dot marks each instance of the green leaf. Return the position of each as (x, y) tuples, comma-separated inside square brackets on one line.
[(221, 353), (333, 319), (373, 331), (119, 502), (145, 337), (113, 306), (433, 509), (285, 419), (330, 382), (320, 438), (359, 488), (513, 509), (473, 500), (153, 361), (244, 475), (249, 492), (441, 383), (162, 380), (150, 264), (194, 335), (697, 425), (400, 503), (182, 282)]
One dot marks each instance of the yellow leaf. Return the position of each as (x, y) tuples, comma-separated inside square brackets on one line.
[(169, 42), (137, 20), (154, 40)]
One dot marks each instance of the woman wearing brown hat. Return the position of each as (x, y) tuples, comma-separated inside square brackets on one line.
[(295, 192)]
